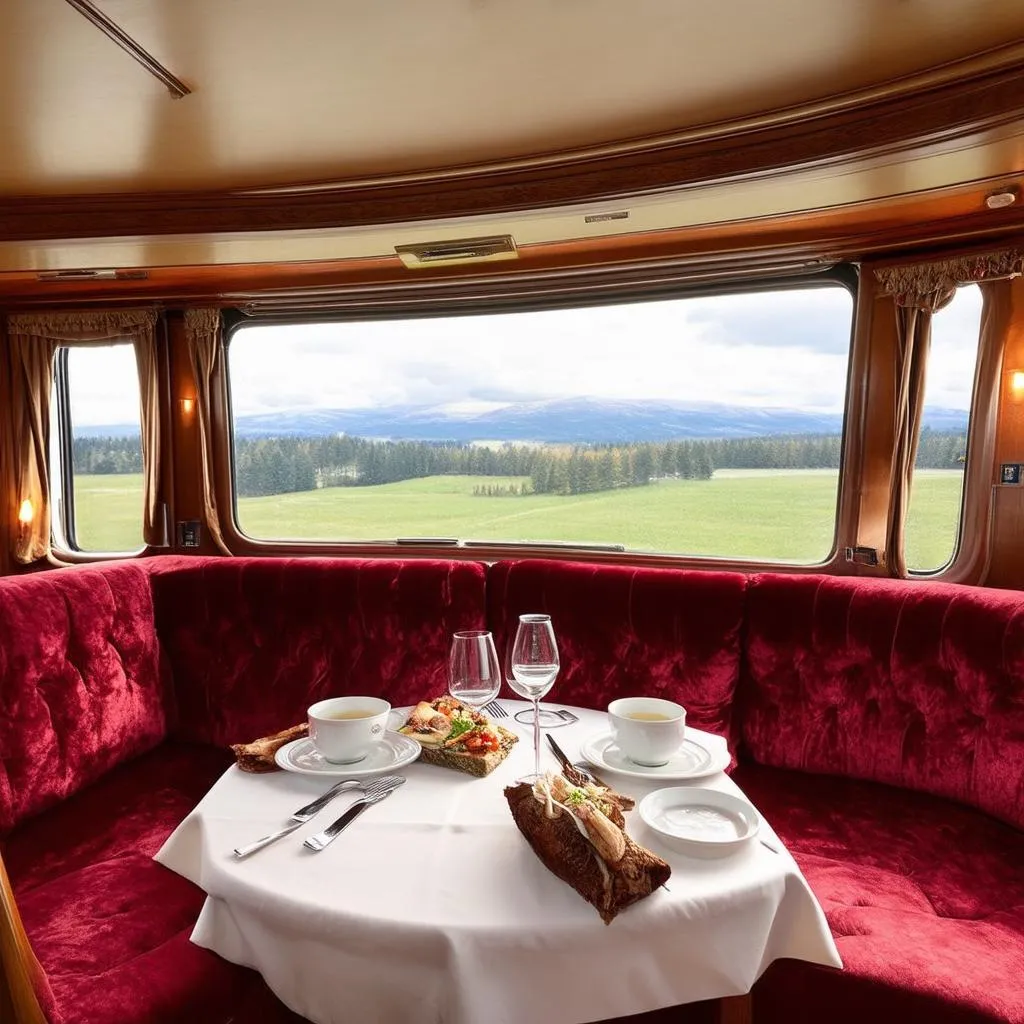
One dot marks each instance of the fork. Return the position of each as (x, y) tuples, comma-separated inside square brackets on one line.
[(495, 710), (373, 793), (301, 816)]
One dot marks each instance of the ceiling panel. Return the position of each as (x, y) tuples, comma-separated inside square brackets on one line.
[(313, 90)]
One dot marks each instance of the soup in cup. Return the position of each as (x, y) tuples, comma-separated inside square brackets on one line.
[(648, 730), (345, 729)]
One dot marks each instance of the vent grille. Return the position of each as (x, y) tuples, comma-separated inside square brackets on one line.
[(458, 250)]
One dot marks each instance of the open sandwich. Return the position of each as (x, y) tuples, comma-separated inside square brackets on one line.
[(453, 735)]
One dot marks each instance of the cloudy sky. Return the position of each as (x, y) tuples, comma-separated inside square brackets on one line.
[(781, 349)]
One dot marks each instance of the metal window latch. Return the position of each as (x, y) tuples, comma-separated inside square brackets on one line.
[(863, 556)]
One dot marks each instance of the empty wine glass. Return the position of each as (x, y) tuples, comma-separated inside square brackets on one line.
[(474, 675), (534, 667), (548, 719)]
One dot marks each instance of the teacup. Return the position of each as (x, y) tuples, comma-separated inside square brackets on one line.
[(648, 730), (345, 729)]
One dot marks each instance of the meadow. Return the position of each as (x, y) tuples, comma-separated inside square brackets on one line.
[(775, 515)]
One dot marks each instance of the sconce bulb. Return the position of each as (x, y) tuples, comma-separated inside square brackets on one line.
[(25, 513), (187, 405), (1017, 381)]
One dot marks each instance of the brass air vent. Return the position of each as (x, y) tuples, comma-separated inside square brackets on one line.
[(458, 250)]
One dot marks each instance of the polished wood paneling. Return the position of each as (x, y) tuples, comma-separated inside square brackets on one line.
[(18, 1003), (901, 120)]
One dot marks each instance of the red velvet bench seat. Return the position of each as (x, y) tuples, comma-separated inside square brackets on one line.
[(120, 688), (879, 725)]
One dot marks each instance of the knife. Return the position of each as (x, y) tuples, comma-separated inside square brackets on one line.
[(324, 839), (577, 776)]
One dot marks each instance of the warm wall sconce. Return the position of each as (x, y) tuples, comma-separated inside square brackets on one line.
[(26, 512), (1017, 382), (188, 407)]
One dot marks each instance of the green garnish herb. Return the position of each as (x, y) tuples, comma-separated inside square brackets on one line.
[(460, 726), (576, 796)]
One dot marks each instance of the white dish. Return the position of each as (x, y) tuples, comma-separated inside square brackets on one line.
[(700, 822), (393, 752), (695, 759)]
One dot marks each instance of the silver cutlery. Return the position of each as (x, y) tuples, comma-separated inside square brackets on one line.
[(304, 814), (576, 773), (495, 710), (567, 716), (770, 846), (375, 792)]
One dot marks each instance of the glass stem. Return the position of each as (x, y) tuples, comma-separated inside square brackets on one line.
[(536, 736)]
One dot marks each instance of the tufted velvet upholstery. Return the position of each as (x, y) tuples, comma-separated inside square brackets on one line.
[(811, 678), (81, 688), (925, 899), (111, 926), (916, 686), (622, 632), (253, 642)]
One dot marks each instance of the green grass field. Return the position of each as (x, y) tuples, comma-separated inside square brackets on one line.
[(775, 515)]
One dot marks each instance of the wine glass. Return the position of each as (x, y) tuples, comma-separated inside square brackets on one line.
[(474, 675), (534, 667), (548, 719)]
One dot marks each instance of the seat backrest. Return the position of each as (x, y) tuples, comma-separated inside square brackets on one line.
[(623, 631), (919, 685), (81, 687), (252, 642)]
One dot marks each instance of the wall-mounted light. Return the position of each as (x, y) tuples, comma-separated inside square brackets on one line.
[(188, 408), (26, 512), (1017, 382)]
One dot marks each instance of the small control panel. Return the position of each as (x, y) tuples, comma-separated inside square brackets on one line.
[(188, 533), (1010, 473)]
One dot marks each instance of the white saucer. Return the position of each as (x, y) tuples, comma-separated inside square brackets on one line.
[(695, 759), (394, 751), (700, 822)]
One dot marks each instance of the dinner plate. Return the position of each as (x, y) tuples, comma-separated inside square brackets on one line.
[(394, 751), (695, 759), (700, 822)]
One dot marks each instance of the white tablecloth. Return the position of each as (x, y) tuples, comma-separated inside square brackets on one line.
[(431, 907)]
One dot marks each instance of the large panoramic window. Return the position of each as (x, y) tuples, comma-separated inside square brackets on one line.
[(936, 494), (700, 425), (96, 449)]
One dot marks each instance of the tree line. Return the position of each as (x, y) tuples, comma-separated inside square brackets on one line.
[(279, 465)]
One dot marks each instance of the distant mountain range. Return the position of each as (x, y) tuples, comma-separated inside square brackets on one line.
[(560, 421)]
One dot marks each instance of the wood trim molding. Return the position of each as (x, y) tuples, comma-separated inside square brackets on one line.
[(18, 1001), (950, 104)]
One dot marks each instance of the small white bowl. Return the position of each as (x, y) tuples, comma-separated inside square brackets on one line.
[(700, 822)]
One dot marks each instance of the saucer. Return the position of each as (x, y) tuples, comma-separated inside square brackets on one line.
[(700, 822), (392, 752), (697, 758)]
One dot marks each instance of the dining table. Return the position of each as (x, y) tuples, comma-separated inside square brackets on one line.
[(432, 908)]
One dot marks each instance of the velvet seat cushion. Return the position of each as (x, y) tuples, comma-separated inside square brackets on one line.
[(81, 684), (895, 681), (252, 642), (924, 897), (627, 632), (109, 925)]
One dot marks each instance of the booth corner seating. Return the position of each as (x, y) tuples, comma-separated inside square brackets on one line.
[(878, 724)]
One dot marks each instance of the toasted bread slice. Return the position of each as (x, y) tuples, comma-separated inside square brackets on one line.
[(430, 723), (474, 764), (258, 756)]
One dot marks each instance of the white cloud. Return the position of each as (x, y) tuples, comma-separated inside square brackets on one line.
[(781, 349)]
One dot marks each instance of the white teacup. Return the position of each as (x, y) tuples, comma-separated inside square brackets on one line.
[(648, 730), (345, 729)]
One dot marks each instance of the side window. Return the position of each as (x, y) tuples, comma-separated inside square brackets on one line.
[(96, 449), (697, 425), (932, 531)]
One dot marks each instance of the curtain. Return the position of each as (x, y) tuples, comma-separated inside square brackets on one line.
[(26, 380), (203, 337), (918, 291)]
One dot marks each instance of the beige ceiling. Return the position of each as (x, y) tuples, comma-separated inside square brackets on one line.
[(290, 91)]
